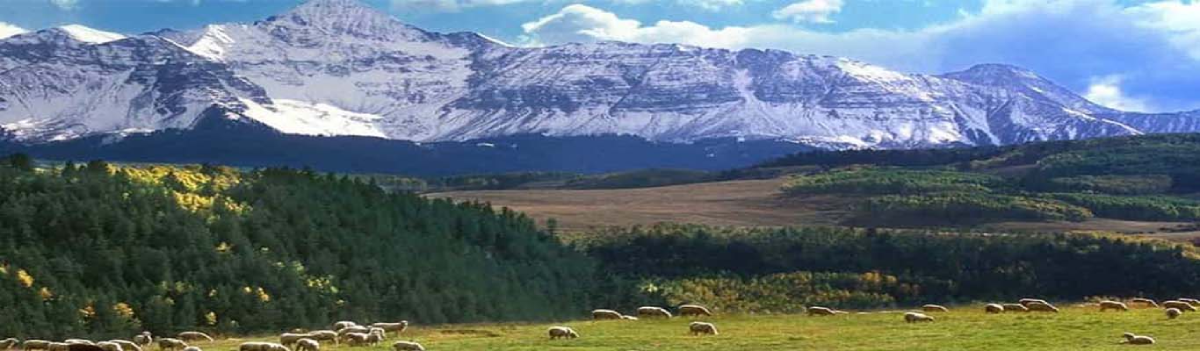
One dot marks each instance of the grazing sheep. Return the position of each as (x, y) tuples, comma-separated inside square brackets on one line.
[(355, 339), (1026, 301), (407, 346), (8, 343), (605, 314), (143, 339), (190, 336), (698, 328), (109, 346), (307, 344), (171, 344), (79, 341), (1182, 306), (343, 325), (1192, 302), (127, 345), (562, 332), (649, 311), (323, 335), (914, 317), (398, 327), (994, 308), (29, 345), (1142, 300), (59, 346), (380, 331), (1015, 307), (289, 339), (354, 329), (1173, 313), (820, 311), (934, 308), (694, 310), (262, 346), (629, 318), (1132, 339), (1112, 305), (1042, 307)]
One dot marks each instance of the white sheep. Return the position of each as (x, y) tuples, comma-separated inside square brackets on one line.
[(629, 318), (694, 310), (1142, 300), (8, 343), (605, 314), (1026, 301), (1113, 305), (1182, 306), (355, 339), (914, 317), (171, 344), (323, 335), (307, 344), (382, 333), (1173, 313), (262, 346), (650, 311), (79, 342), (189, 336), (1041, 307), (343, 325), (994, 308), (1192, 302), (820, 311), (375, 337), (354, 329), (29, 345), (1132, 339), (144, 339), (934, 308), (109, 346), (397, 327), (698, 328), (59, 346), (407, 346), (562, 332), (127, 345), (1015, 307)]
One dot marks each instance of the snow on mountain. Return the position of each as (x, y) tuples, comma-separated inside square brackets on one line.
[(338, 67), (89, 35)]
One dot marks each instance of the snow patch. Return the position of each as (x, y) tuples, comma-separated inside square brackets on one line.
[(90, 35), (299, 117)]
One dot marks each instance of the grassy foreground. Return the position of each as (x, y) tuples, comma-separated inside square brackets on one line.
[(965, 328)]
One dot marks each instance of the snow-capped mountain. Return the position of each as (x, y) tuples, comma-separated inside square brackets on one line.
[(337, 67)]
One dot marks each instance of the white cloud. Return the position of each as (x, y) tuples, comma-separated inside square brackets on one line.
[(815, 11), (1106, 91), (712, 5), (449, 5), (67, 5), (1153, 47), (8, 30)]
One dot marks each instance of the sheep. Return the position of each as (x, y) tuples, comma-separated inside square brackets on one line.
[(1014, 307), (914, 317), (397, 327), (171, 344), (380, 331), (79, 341), (354, 329), (289, 339), (58, 346), (143, 339), (262, 346), (1173, 313), (562, 332), (1112, 305), (343, 325), (8, 343), (374, 339), (29, 345), (934, 308), (1142, 300), (1042, 307), (355, 339), (698, 328), (190, 336), (1192, 302), (605, 314), (323, 335), (694, 310), (307, 344), (126, 345), (1132, 339), (1026, 301), (629, 318), (993, 308), (1182, 306), (820, 311), (407, 346), (192, 348), (649, 311), (109, 346)]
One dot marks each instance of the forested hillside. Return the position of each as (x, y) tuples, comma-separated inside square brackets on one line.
[(107, 251)]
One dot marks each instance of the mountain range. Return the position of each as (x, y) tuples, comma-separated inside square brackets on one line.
[(341, 68)]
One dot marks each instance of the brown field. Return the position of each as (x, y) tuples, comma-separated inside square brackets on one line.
[(731, 203)]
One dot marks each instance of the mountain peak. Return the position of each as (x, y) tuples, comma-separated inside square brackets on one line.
[(348, 17), (90, 35)]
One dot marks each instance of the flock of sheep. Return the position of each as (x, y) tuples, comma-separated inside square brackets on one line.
[(354, 334)]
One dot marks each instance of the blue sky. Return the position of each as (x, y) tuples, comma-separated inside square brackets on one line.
[(1139, 55)]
